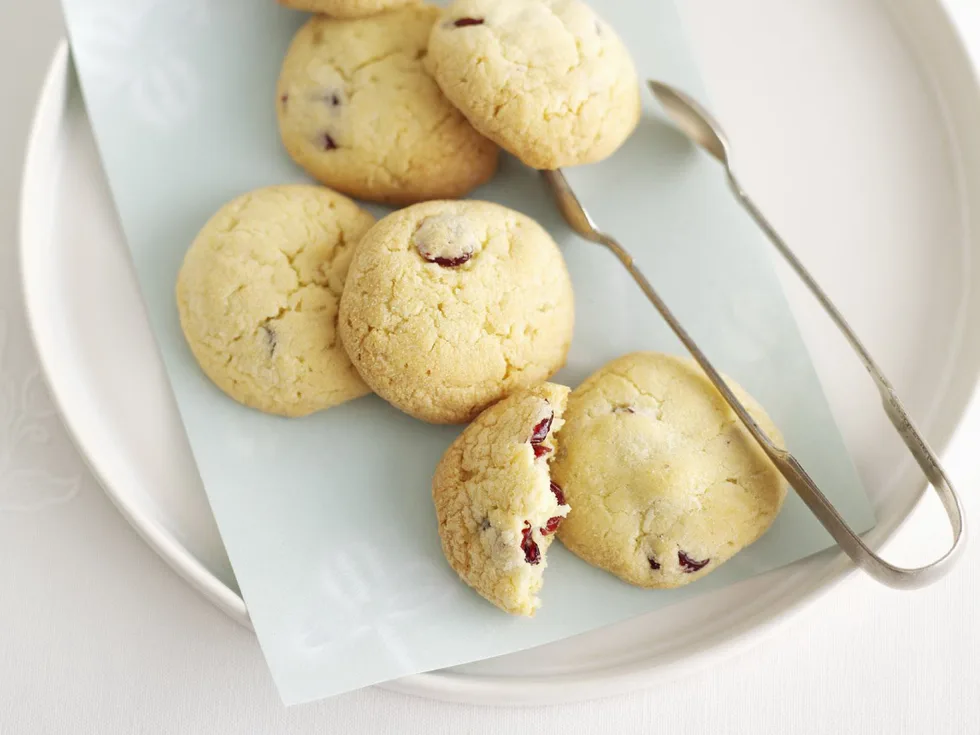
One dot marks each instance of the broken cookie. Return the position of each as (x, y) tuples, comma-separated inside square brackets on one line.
[(497, 507)]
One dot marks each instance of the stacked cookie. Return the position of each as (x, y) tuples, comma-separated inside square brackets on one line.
[(452, 305), (359, 113), (643, 470), (411, 104), (293, 299)]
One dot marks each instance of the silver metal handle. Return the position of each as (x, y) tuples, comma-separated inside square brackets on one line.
[(580, 221), (850, 542), (790, 467)]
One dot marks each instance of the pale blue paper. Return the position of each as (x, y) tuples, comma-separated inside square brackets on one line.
[(328, 520)]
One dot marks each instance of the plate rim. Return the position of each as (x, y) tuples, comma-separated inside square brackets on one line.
[(445, 685), (53, 91)]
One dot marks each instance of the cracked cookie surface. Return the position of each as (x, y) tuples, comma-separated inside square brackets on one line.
[(546, 79), (258, 295), (359, 112), (450, 306), (665, 481), (496, 505), (347, 8)]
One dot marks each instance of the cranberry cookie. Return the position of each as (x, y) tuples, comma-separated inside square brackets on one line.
[(450, 306), (497, 507), (358, 111), (258, 294), (548, 80), (665, 481)]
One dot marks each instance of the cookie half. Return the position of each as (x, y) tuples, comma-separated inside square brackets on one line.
[(547, 80), (347, 8), (258, 294), (497, 507), (359, 112), (666, 483), (450, 306)]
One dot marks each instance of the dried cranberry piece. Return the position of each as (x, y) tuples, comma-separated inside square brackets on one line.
[(328, 143), (284, 98), (463, 22), (539, 433), (552, 525), (450, 262), (532, 554), (654, 564), (446, 240), (690, 565), (541, 429)]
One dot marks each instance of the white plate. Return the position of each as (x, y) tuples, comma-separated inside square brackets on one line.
[(881, 203)]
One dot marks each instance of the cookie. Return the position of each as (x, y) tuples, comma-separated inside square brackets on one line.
[(258, 294), (546, 79), (665, 482), (496, 506), (450, 306), (346, 8), (358, 111)]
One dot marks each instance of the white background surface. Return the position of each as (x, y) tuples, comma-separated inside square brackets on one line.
[(97, 635)]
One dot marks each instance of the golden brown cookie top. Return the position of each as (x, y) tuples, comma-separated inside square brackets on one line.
[(359, 112), (665, 481), (546, 79), (258, 295), (450, 306)]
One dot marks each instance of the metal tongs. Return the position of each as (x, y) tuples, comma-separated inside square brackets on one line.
[(698, 125)]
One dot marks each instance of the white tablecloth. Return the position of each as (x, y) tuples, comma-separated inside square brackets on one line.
[(97, 635)]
